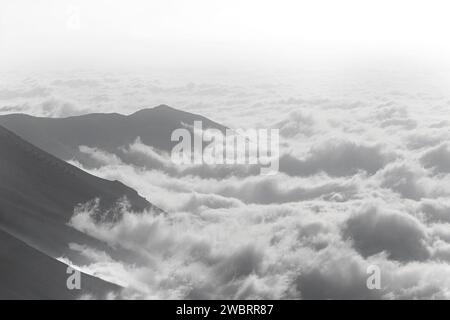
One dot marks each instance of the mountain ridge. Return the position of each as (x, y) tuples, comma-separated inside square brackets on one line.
[(62, 137), (38, 193)]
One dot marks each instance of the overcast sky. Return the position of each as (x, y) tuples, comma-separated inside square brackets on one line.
[(212, 33)]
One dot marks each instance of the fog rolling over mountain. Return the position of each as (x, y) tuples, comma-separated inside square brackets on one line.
[(38, 194)]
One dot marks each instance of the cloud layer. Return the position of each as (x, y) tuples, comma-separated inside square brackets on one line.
[(364, 180)]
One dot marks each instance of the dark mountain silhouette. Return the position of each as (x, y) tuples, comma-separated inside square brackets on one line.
[(27, 273), (107, 131), (38, 193)]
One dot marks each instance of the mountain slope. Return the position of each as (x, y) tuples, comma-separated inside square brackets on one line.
[(27, 273), (63, 136), (38, 193)]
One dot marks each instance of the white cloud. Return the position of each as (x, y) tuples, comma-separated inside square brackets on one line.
[(376, 229), (438, 158), (364, 180)]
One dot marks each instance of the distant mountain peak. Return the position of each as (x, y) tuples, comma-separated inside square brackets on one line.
[(163, 107), (160, 108), (109, 132)]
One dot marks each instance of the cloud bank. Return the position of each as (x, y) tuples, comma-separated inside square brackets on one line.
[(364, 180)]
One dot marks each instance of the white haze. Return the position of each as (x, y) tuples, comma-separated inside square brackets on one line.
[(211, 34)]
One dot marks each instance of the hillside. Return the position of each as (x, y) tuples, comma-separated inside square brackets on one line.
[(38, 193), (107, 131), (27, 273)]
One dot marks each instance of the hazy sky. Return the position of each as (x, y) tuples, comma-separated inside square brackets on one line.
[(176, 33)]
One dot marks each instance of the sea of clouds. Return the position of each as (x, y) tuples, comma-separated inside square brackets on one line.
[(364, 180)]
